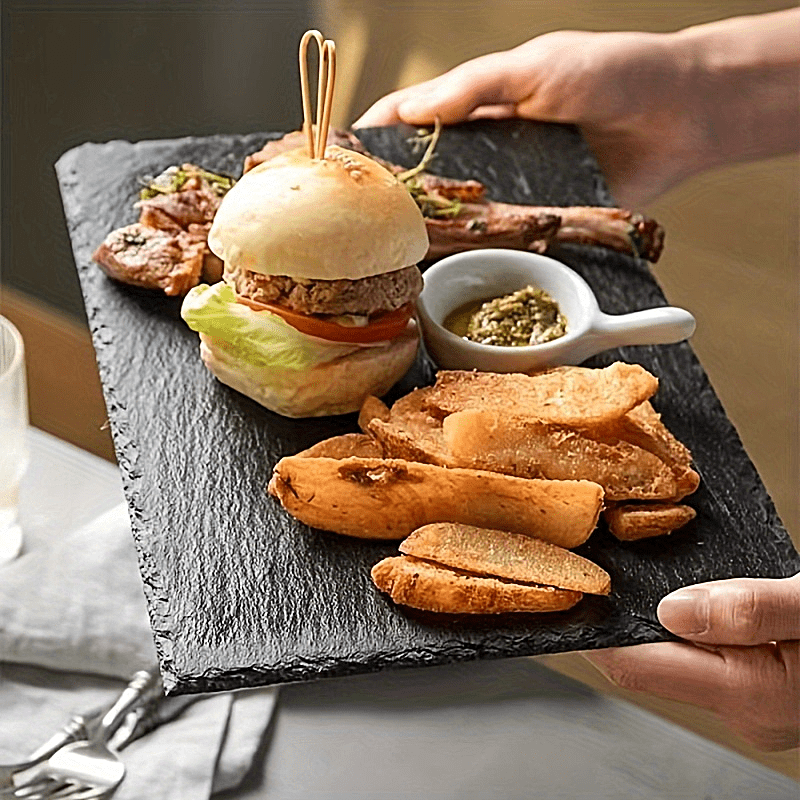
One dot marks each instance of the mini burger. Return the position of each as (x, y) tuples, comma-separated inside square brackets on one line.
[(316, 307)]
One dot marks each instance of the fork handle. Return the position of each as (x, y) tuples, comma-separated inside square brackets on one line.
[(141, 683)]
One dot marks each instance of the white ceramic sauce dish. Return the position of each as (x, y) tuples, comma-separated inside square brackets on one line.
[(485, 274)]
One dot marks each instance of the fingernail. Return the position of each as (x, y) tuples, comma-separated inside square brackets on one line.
[(685, 612)]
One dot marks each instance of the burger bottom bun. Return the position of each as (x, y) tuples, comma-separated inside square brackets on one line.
[(335, 387)]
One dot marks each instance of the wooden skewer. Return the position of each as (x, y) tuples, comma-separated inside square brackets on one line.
[(325, 83), (307, 126), (324, 120), (322, 77)]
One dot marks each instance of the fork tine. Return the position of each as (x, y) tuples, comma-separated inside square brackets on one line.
[(85, 793), (79, 791), (25, 790), (69, 790), (48, 792), (40, 787)]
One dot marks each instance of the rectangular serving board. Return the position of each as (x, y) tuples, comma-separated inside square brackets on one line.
[(240, 594)]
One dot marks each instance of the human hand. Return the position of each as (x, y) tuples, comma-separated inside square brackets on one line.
[(628, 92), (741, 660), (654, 108)]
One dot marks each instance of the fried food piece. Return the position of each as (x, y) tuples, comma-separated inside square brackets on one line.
[(634, 457), (501, 554), (375, 498), (643, 427), (372, 408), (631, 521), (344, 446), (431, 587), (528, 448), (576, 396), (408, 431)]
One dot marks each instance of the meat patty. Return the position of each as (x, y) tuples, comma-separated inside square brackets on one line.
[(366, 296)]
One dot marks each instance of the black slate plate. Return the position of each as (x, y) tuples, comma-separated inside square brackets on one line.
[(239, 593)]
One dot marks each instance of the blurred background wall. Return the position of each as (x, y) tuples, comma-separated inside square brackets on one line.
[(134, 69), (126, 69)]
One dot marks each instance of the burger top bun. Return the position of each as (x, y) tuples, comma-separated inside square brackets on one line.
[(341, 217)]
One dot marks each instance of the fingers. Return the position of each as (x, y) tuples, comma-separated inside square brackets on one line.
[(453, 97), (384, 111), (675, 670), (742, 611), (756, 690)]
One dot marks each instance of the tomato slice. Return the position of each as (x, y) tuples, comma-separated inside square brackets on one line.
[(382, 327)]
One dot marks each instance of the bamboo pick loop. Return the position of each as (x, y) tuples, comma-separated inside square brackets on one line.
[(304, 91), (322, 79), (324, 119)]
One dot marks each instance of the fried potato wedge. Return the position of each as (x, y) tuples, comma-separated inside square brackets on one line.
[(398, 442), (642, 427), (577, 396), (372, 408), (431, 587), (374, 498), (410, 432), (344, 446), (495, 441), (630, 522), (501, 554)]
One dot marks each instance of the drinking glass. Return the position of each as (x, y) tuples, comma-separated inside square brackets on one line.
[(13, 430)]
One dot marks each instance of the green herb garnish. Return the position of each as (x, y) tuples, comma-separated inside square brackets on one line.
[(173, 179)]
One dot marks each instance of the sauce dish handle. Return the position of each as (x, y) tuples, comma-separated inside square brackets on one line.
[(664, 325)]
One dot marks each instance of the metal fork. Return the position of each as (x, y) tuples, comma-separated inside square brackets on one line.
[(77, 728), (84, 770)]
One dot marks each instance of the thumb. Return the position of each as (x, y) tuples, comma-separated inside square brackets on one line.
[(740, 611)]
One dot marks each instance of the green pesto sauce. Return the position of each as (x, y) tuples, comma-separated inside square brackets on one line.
[(526, 317)]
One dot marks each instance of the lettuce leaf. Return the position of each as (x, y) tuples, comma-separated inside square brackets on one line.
[(256, 338)]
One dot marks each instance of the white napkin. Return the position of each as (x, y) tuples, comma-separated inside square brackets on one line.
[(76, 607)]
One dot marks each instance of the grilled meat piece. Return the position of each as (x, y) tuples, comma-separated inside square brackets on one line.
[(446, 188), (182, 196), (614, 228), (154, 259), (295, 139), (178, 210), (492, 225), (534, 228), (384, 292), (168, 248)]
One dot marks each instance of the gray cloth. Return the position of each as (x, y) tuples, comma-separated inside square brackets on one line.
[(74, 628)]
